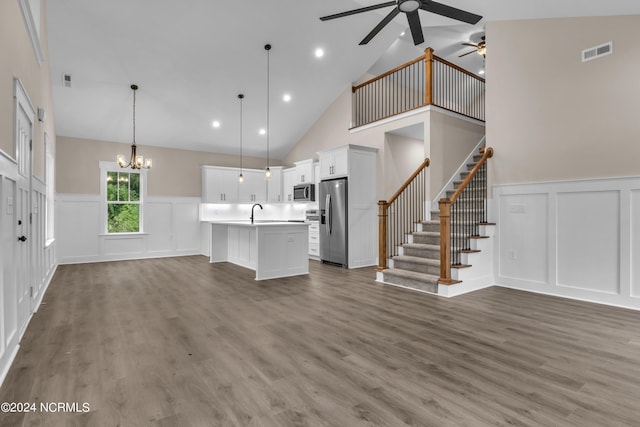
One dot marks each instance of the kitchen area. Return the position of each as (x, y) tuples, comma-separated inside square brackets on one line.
[(322, 209)]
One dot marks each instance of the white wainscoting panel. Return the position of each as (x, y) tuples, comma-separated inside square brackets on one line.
[(77, 227), (523, 251), (588, 224), (577, 239), (171, 228), (635, 243), (157, 220)]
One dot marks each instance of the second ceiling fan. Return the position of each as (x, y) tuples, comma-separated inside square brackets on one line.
[(410, 8)]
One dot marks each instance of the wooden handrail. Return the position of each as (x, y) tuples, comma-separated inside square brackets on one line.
[(423, 165), (388, 73), (383, 208), (462, 70), (488, 153)]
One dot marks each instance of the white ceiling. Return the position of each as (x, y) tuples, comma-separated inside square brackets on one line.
[(192, 58)]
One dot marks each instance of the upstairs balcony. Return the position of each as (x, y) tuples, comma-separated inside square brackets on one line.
[(426, 80)]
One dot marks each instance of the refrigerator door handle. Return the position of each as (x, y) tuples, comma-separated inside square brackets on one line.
[(329, 213)]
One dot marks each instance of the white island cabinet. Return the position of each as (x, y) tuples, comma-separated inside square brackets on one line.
[(273, 249)]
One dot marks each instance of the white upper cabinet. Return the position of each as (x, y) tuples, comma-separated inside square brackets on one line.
[(254, 187), (274, 186), (304, 172), (219, 185), (334, 163), (288, 181)]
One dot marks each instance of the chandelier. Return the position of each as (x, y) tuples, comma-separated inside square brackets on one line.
[(135, 161)]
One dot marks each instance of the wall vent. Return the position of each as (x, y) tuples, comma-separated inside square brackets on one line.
[(66, 80), (597, 52)]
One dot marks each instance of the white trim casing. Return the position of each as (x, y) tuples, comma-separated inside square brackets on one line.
[(33, 27)]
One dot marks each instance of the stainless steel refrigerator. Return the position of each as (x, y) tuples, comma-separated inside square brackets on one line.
[(333, 221)]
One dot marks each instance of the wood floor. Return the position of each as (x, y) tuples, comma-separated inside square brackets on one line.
[(181, 342)]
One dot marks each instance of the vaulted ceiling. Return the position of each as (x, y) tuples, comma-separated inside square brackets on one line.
[(193, 57)]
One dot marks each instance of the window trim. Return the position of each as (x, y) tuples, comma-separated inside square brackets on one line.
[(113, 167)]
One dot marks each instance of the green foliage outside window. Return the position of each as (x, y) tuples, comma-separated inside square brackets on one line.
[(123, 202)]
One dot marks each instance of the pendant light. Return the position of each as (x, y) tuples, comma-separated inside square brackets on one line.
[(135, 161), (267, 173), (240, 177)]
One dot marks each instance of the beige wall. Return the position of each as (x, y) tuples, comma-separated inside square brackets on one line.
[(452, 139), (402, 157), (17, 59), (174, 173), (552, 117)]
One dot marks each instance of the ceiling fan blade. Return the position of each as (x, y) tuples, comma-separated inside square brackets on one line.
[(468, 53), (470, 44), (450, 12), (360, 10), (380, 26), (416, 27)]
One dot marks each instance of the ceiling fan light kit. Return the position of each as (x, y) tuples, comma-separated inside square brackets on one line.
[(409, 8)]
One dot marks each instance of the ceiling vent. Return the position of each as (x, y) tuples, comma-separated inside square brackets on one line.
[(66, 80), (597, 52)]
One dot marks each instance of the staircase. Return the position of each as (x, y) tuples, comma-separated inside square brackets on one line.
[(417, 265)]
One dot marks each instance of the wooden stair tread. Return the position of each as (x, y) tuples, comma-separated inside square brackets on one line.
[(459, 266)]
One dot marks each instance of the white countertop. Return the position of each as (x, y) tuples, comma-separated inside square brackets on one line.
[(258, 223)]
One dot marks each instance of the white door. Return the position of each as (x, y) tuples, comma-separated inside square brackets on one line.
[(22, 220)]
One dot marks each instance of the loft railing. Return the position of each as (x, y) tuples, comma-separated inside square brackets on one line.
[(398, 216), (427, 80), (461, 216)]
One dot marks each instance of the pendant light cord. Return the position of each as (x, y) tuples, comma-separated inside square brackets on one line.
[(241, 96), (135, 88), (268, 48)]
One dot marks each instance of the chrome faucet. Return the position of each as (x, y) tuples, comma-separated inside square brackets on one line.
[(252, 207)]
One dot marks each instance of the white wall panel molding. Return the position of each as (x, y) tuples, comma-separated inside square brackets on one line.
[(577, 239), (171, 228)]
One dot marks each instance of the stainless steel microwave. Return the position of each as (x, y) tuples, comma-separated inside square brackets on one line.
[(304, 193)]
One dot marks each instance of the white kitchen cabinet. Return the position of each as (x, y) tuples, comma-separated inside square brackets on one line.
[(219, 184), (334, 163), (304, 172), (254, 187), (314, 240), (288, 181), (274, 186)]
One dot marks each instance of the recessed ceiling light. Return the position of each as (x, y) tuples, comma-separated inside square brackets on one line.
[(215, 124), (286, 97), (262, 132), (481, 72), (319, 53), (402, 34)]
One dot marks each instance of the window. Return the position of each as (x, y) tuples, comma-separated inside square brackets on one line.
[(122, 192), (123, 202)]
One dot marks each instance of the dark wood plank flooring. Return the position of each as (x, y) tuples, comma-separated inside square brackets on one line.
[(181, 342)]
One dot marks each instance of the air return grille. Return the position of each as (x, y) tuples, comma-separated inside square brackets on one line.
[(597, 52)]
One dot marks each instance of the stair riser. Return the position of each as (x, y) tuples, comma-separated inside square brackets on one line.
[(429, 240), (423, 253), (413, 284), (429, 226), (420, 268)]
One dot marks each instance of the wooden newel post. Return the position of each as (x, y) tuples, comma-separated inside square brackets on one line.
[(445, 241), (382, 235), (428, 76)]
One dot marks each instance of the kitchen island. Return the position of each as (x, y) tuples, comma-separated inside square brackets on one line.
[(272, 248)]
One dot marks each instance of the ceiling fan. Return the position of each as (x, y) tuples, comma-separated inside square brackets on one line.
[(480, 48), (410, 8)]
